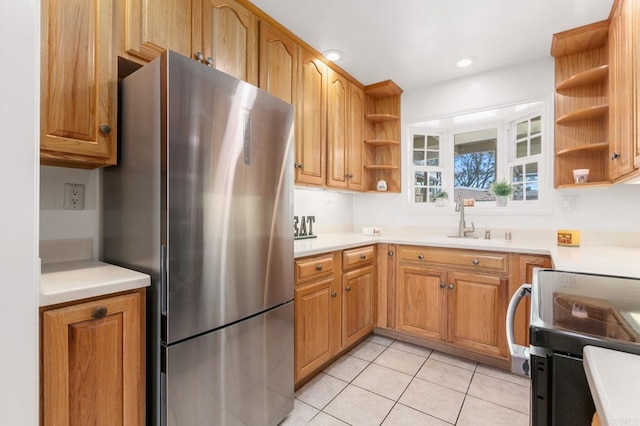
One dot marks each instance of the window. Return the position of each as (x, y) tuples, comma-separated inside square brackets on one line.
[(467, 153), (425, 167)]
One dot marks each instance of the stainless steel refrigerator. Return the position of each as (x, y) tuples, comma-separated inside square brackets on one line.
[(202, 200)]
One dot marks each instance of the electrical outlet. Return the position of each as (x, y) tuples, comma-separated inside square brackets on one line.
[(73, 196)]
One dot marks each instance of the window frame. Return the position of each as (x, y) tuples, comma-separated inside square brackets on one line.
[(506, 152)]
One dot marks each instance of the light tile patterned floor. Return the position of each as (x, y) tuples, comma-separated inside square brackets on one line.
[(387, 382)]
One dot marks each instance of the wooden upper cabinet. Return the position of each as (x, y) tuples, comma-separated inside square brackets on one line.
[(78, 92), (153, 26), (337, 98), (311, 120), (622, 123), (230, 38), (93, 368), (355, 137), (278, 63)]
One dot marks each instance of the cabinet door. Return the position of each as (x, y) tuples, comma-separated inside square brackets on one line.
[(421, 302), (93, 363), (278, 61), (355, 140), (337, 132), (311, 120), (153, 26), (78, 94), (313, 326), (357, 304), (476, 312), (525, 265), (230, 38), (621, 94)]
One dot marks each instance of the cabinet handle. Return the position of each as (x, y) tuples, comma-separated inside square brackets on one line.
[(363, 257), (99, 312), (475, 261), (199, 56), (348, 288), (334, 294), (390, 253), (443, 285), (319, 267), (421, 256), (105, 129), (450, 286), (615, 156)]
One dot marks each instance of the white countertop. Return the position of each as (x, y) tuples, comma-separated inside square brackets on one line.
[(69, 281), (614, 381), (594, 259)]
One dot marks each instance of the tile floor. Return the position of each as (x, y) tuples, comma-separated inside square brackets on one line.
[(387, 382)]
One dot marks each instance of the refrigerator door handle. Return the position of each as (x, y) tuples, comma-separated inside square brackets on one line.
[(520, 356), (163, 280)]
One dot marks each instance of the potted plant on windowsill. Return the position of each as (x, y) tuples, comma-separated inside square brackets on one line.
[(502, 191), (440, 198)]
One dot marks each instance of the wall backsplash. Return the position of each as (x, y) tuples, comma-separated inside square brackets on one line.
[(333, 210)]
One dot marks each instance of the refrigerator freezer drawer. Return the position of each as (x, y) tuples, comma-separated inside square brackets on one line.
[(239, 375)]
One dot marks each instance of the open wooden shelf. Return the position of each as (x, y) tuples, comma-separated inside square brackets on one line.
[(380, 167), (585, 185), (382, 142), (384, 89), (590, 76), (381, 118), (600, 146), (582, 114)]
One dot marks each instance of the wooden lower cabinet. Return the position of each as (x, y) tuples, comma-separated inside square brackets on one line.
[(335, 306), (93, 362)]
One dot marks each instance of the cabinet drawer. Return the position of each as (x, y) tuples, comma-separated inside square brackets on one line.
[(358, 256), (313, 267), (454, 257)]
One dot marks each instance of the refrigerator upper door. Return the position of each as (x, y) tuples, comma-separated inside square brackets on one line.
[(229, 199)]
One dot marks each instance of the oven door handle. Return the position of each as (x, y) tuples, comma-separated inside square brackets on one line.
[(519, 354)]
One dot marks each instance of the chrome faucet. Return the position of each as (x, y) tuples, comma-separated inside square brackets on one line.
[(462, 226)]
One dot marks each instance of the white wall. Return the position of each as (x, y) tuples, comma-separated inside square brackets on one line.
[(19, 121), (333, 210), (57, 223), (602, 210)]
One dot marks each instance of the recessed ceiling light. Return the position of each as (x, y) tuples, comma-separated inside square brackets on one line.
[(464, 62), (333, 55)]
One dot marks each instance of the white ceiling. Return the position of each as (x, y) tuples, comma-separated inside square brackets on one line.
[(417, 43)]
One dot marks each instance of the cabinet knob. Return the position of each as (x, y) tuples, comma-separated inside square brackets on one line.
[(300, 165), (363, 256), (99, 312), (421, 256), (450, 286), (209, 61), (105, 129), (348, 288), (334, 294), (443, 285), (475, 261), (319, 267), (199, 56), (390, 253), (615, 156)]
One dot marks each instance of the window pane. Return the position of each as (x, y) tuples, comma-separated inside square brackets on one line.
[(521, 149), (435, 179), (535, 125), (418, 141), (516, 174), (420, 195), (536, 145), (420, 179), (517, 192), (532, 172), (474, 164), (433, 142), (532, 190), (522, 130), (418, 158), (433, 158)]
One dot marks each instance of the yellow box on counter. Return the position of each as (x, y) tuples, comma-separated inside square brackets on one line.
[(568, 237)]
